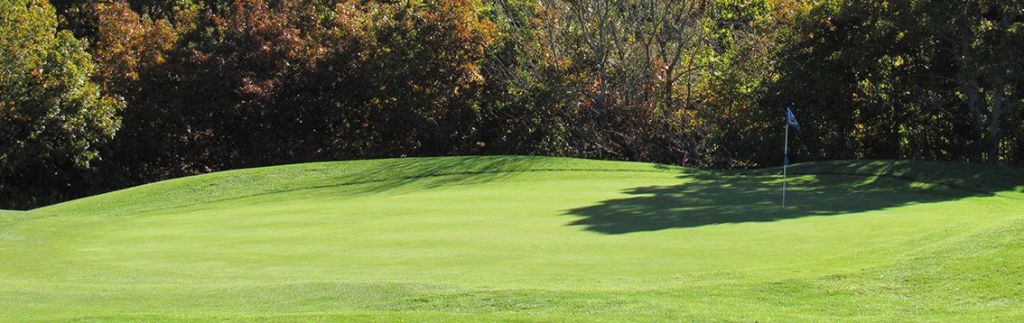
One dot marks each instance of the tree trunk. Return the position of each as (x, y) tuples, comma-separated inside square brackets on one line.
[(1010, 109), (974, 104), (995, 131)]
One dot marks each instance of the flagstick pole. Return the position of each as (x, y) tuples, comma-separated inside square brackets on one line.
[(785, 164)]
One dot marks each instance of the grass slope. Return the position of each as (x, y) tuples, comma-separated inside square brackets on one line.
[(525, 238)]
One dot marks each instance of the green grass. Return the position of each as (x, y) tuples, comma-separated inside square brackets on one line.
[(523, 238)]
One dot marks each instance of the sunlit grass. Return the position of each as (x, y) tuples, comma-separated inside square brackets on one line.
[(528, 238)]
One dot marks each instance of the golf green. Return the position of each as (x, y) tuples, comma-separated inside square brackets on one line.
[(529, 238)]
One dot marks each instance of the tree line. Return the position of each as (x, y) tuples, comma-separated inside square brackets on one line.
[(104, 94)]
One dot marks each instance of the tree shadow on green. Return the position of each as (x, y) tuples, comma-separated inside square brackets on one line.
[(711, 198)]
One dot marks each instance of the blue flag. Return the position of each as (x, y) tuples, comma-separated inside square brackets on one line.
[(791, 119)]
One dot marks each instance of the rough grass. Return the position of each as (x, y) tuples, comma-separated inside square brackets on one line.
[(525, 238)]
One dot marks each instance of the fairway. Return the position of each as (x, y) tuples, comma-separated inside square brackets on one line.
[(529, 238)]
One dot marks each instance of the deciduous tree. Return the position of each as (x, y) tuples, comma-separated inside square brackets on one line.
[(52, 116)]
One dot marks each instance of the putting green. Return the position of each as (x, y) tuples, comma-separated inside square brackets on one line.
[(528, 238)]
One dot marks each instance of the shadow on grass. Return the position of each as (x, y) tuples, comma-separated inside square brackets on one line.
[(437, 172), (371, 176), (820, 189)]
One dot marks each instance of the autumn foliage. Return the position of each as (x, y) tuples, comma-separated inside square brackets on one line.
[(167, 88)]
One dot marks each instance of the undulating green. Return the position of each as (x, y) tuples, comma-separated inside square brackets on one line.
[(528, 238)]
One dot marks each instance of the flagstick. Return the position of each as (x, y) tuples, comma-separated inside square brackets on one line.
[(785, 164)]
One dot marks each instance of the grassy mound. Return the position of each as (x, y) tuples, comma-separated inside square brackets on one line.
[(528, 238)]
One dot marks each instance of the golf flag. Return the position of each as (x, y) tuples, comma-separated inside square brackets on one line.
[(791, 119), (790, 122)]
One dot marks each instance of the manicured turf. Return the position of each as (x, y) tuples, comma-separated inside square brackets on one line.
[(522, 238)]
